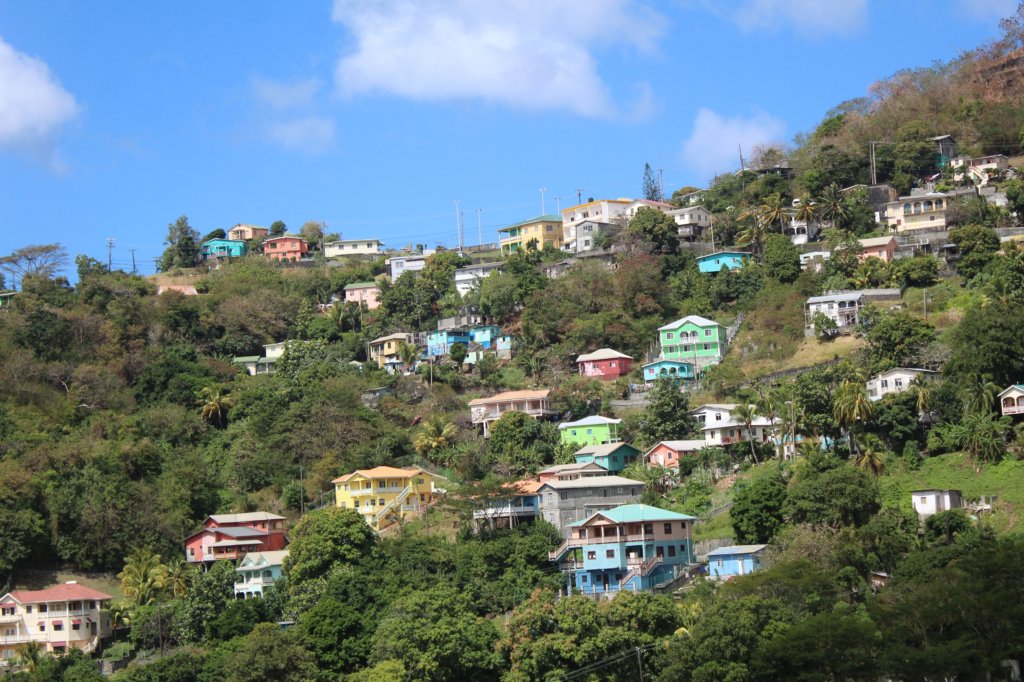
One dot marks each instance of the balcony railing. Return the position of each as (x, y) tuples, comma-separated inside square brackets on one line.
[(1013, 409)]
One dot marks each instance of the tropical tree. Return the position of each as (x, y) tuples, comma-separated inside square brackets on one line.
[(922, 397), (870, 459), (215, 405), (178, 579), (437, 433), (983, 437), (772, 211), (833, 208), (31, 656), (850, 405), (755, 231), (408, 353), (143, 577), (979, 396), (807, 211), (746, 414)]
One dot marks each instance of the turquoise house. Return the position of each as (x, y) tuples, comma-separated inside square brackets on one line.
[(729, 562), (668, 369), (730, 260), (485, 335), (257, 571), (632, 547), (612, 456), (223, 248), (440, 342), (594, 430), (693, 339)]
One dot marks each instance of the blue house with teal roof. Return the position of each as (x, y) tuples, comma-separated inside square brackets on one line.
[(668, 369), (633, 547), (729, 562), (223, 248), (730, 260)]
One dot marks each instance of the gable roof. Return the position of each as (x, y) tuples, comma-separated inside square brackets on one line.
[(593, 482), (875, 241), (381, 472), (635, 513), (736, 549), (70, 591), (1019, 387), (603, 354), (391, 337), (680, 445), (568, 468), (604, 449), (269, 558), (595, 420), (691, 319), (361, 285), (509, 396)]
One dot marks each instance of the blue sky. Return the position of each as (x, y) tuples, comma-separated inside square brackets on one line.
[(117, 117)]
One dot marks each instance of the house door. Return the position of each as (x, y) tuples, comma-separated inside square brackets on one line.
[(604, 581)]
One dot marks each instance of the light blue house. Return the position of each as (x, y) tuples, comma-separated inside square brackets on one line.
[(521, 505), (485, 335), (668, 369), (729, 562), (730, 260), (258, 571), (223, 248), (612, 456), (440, 342), (632, 547)]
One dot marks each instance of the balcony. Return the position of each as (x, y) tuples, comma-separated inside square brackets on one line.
[(1012, 409)]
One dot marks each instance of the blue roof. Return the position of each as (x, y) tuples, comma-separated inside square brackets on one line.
[(742, 254)]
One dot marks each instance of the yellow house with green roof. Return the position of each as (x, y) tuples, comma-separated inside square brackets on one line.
[(385, 495), (546, 229)]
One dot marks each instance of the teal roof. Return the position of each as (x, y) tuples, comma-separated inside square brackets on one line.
[(636, 513), (360, 285), (246, 358), (743, 254), (546, 218)]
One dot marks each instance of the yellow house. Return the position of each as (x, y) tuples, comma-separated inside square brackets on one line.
[(546, 229), (386, 349), (384, 495)]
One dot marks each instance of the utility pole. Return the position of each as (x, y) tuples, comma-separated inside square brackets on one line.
[(558, 205), (874, 172), (640, 663), (661, 183), (133, 260), (542, 207), (110, 250), (479, 229), (579, 195)]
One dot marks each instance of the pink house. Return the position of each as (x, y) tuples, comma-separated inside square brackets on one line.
[(231, 536), (883, 248), (363, 292), (285, 248), (667, 453), (604, 364)]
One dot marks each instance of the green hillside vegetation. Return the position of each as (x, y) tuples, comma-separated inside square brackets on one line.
[(124, 423)]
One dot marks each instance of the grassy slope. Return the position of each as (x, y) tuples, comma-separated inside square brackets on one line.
[(38, 579)]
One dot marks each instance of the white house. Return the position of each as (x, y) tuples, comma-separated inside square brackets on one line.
[(257, 571), (637, 204), (977, 168), (691, 221), (815, 260), (603, 212), (843, 309), (1011, 401), (59, 618), (353, 247), (720, 428), (399, 265), (470, 276), (896, 380), (928, 502)]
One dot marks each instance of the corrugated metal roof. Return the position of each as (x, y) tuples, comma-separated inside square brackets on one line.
[(736, 549)]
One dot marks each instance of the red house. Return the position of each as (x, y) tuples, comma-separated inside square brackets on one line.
[(604, 364), (285, 248), (667, 453), (231, 536)]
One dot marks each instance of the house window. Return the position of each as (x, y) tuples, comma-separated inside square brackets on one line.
[(649, 528), (381, 503), (583, 579), (42, 608), (669, 336), (583, 533), (707, 332), (885, 383), (659, 552), (592, 555), (899, 383), (668, 528), (671, 551), (58, 626), (923, 500), (76, 626), (609, 554), (707, 346), (42, 627)]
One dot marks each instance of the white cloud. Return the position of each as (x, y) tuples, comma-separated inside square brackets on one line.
[(988, 10), (285, 94), (33, 105), (713, 146), (531, 54), (816, 18), (309, 134)]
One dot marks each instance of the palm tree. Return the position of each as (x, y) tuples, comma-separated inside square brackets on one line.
[(754, 233), (143, 577), (772, 211), (923, 394), (851, 404), (982, 437), (870, 458), (179, 578), (408, 354), (437, 433), (215, 405), (746, 414), (31, 655), (979, 396), (832, 207), (807, 211)]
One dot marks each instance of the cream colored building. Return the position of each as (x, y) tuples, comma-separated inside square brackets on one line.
[(353, 247), (247, 232), (917, 211), (62, 617), (603, 211)]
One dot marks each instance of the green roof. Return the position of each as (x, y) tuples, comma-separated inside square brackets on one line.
[(246, 358), (546, 218), (636, 513), (360, 285)]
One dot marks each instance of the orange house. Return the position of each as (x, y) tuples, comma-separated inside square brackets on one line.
[(285, 248), (883, 248), (667, 453)]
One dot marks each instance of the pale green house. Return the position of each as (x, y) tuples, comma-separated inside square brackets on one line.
[(590, 431), (693, 339)]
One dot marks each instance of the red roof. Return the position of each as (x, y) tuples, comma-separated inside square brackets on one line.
[(65, 592)]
